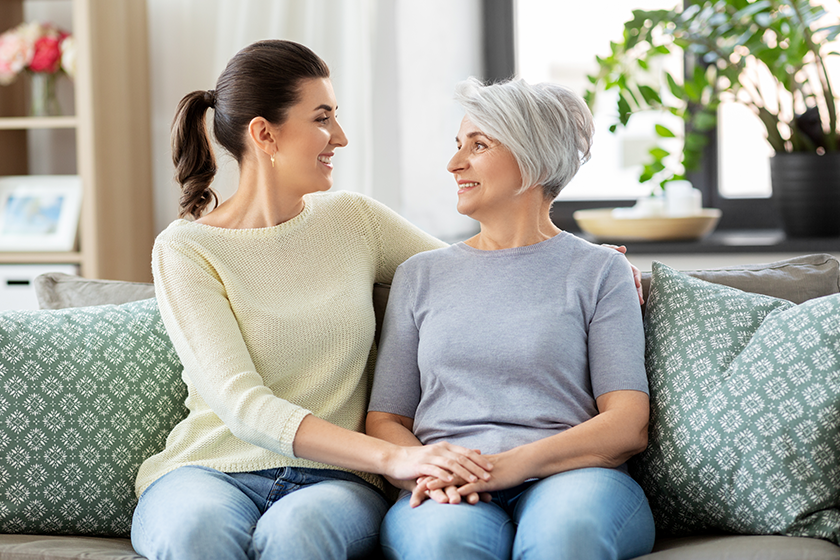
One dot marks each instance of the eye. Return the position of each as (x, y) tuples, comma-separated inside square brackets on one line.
[(323, 119)]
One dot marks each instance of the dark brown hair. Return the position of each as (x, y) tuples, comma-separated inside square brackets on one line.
[(262, 80)]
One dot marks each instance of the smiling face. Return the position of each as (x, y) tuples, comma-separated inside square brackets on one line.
[(307, 139), (486, 172)]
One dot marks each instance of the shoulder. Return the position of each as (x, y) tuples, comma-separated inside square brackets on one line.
[(427, 260)]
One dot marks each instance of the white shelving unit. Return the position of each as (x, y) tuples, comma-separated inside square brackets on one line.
[(112, 138)]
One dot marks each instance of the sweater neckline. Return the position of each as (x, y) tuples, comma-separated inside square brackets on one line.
[(512, 251), (284, 227)]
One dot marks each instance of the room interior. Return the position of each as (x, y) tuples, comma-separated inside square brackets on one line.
[(394, 65)]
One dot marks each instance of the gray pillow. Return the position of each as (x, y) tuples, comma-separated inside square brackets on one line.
[(56, 290), (798, 279)]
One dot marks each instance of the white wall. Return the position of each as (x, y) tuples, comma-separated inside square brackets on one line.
[(394, 65)]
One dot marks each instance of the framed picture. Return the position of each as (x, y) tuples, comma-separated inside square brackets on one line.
[(39, 212)]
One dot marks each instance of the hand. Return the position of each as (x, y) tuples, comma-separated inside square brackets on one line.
[(637, 274), (443, 492), (508, 472), (444, 460)]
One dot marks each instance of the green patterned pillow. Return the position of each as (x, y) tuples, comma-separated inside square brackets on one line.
[(745, 411), (86, 394)]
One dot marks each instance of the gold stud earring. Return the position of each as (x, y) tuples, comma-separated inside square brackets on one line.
[(272, 160)]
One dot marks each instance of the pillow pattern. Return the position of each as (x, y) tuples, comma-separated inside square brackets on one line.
[(86, 394), (745, 410)]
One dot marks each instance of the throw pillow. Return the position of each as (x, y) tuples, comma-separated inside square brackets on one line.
[(87, 395), (745, 409), (56, 290)]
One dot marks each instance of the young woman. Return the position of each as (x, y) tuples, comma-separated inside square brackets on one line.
[(267, 300), (523, 342)]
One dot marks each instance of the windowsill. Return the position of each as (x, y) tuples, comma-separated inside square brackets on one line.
[(735, 241)]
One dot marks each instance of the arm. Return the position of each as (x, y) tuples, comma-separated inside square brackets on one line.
[(617, 433)]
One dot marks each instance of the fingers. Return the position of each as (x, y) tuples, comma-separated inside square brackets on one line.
[(620, 248), (419, 494), (452, 495), (460, 461)]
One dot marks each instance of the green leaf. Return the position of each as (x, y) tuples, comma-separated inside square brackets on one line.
[(624, 111), (613, 128), (659, 153), (664, 132), (676, 89), (651, 97)]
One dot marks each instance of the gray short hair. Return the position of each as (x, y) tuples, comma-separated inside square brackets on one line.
[(547, 127)]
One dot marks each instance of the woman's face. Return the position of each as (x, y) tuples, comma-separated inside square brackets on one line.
[(308, 138), (487, 174)]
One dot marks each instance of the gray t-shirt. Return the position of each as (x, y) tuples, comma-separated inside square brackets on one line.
[(496, 349)]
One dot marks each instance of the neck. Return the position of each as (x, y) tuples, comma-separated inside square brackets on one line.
[(260, 201), (526, 225)]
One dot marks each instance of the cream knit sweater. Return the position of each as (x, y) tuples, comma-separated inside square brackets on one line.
[(272, 324)]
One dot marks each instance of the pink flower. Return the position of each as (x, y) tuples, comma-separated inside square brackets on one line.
[(47, 55), (15, 53)]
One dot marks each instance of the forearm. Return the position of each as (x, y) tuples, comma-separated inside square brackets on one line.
[(607, 440), (319, 440)]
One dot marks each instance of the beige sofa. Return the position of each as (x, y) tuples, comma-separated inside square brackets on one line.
[(797, 280)]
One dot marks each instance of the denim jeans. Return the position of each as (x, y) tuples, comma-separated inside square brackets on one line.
[(201, 513), (576, 515)]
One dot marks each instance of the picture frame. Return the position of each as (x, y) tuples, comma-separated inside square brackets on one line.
[(39, 212)]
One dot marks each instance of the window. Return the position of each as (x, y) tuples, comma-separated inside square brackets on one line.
[(558, 41)]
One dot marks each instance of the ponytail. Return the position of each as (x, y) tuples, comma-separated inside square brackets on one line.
[(195, 164)]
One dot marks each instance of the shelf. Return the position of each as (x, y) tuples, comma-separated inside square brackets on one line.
[(30, 257), (735, 241), (30, 123)]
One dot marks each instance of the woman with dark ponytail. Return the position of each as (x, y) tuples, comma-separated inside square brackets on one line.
[(267, 299)]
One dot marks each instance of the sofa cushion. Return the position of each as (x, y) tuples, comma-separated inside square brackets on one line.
[(745, 404), (56, 290), (797, 279), (87, 394)]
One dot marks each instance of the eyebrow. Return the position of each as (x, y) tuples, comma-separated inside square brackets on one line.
[(325, 107), (473, 135)]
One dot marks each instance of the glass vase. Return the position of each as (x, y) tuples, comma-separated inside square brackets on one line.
[(43, 100)]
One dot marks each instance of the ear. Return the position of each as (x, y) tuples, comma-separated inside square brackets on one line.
[(263, 135)]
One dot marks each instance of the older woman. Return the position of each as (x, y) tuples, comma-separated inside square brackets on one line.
[(523, 342)]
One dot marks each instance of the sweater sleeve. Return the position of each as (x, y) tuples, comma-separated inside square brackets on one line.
[(205, 333), (395, 238)]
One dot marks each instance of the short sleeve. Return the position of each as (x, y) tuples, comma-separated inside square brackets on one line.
[(396, 382), (616, 333)]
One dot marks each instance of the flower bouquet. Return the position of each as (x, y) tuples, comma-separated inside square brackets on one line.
[(42, 50)]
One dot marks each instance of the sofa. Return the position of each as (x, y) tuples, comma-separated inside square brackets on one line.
[(90, 386)]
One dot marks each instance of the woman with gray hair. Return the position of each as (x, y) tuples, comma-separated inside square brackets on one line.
[(523, 342)]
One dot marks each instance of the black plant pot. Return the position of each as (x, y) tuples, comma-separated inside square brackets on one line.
[(806, 192)]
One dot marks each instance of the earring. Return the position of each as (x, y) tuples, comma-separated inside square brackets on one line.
[(272, 160)]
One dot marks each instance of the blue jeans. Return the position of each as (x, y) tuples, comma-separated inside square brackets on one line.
[(201, 513), (577, 515)]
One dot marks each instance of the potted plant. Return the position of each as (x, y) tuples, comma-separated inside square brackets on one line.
[(767, 54)]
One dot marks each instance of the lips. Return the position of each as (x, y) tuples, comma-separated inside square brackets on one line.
[(326, 159)]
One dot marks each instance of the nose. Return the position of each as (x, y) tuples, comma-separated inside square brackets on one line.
[(457, 163), (338, 137)]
